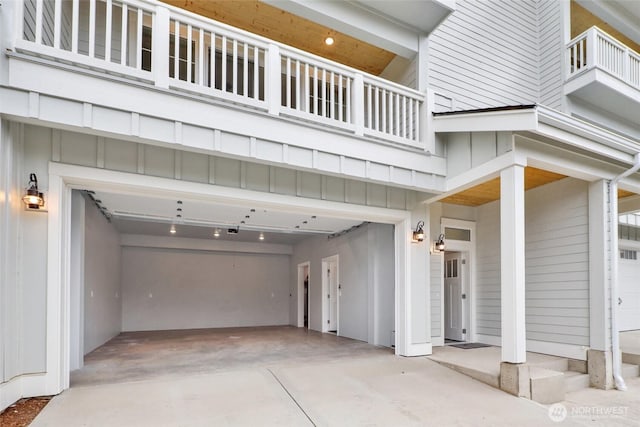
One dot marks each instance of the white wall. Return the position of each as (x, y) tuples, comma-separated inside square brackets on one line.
[(557, 262), (185, 289), (486, 54), (367, 304), (102, 289), (551, 52)]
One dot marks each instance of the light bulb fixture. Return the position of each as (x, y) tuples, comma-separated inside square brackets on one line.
[(33, 198), (329, 41), (261, 237), (216, 233), (438, 245), (172, 230), (418, 234)]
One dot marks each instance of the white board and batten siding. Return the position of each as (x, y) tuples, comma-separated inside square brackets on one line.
[(486, 54), (551, 53), (557, 262)]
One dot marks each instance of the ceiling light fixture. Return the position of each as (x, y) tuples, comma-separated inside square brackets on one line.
[(329, 41), (172, 230), (261, 237), (33, 198)]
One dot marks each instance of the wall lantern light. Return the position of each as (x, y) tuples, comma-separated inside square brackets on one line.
[(33, 198), (438, 245), (172, 230), (418, 234)]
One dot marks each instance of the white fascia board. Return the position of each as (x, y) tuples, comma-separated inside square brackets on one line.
[(490, 121), (483, 172), (585, 135), (355, 22)]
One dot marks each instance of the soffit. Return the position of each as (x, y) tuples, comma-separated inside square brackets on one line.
[(489, 191), (284, 27)]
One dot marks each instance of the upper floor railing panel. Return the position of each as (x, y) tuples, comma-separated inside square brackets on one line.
[(178, 50), (596, 49)]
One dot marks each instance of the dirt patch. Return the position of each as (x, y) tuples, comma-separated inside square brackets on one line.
[(22, 412)]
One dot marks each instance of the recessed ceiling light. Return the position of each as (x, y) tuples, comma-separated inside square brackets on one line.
[(172, 230), (313, 217), (261, 236), (329, 41), (253, 210), (179, 202)]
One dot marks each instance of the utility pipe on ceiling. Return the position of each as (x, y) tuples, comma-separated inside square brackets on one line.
[(614, 259)]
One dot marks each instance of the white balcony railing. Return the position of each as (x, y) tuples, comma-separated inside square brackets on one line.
[(175, 49), (596, 49)]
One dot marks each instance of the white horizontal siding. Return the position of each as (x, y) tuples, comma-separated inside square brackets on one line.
[(486, 54), (488, 269), (551, 52), (557, 263)]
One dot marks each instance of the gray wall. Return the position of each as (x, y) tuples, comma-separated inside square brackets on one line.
[(102, 290), (366, 275), (183, 289)]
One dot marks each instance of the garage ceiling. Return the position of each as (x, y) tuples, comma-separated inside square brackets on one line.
[(134, 214)]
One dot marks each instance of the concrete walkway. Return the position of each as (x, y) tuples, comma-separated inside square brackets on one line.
[(366, 390)]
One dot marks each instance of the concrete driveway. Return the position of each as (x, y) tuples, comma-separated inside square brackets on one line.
[(366, 390)]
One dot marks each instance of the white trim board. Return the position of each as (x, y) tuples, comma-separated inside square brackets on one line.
[(27, 385), (570, 351)]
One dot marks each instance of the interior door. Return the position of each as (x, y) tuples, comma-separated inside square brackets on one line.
[(453, 295), (332, 272)]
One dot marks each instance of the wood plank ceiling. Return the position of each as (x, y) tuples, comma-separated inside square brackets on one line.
[(490, 191), (284, 27), (582, 20)]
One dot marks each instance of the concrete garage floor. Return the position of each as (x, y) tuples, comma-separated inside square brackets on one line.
[(277, 376)]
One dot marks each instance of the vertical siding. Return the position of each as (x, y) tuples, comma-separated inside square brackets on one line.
[(551, 52), (488, 269), (486, 54), (557, 262)]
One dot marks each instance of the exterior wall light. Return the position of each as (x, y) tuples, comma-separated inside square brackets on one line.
[(418, 234), (33, 198), (439, 245), (261, 237), (172, 230)]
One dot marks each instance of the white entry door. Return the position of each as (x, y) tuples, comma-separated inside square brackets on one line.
[(629, 290), (453, 295)]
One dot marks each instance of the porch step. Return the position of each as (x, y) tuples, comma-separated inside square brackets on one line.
[(632, 358), (559, 365), (575, 381), (630, 371), (547, 386)]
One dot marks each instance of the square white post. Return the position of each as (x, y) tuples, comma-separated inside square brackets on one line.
[(512, 264)]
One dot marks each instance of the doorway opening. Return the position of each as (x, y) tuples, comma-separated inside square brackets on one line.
[(330, 288), (303, 294)]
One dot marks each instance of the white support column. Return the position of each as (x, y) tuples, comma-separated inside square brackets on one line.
[(512, 264), (599, 333)]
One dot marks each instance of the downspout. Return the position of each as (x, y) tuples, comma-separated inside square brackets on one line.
[(613, 238)]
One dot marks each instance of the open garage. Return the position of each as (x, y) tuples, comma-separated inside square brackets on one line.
[(163, 284)]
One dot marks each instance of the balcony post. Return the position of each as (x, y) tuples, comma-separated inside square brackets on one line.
[(274, 79), (626, 63), (160, 47), (357, 103), (592, 47)]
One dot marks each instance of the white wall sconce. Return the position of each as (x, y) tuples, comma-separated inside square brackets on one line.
[(33, 198), (418, 233), (438, 245)]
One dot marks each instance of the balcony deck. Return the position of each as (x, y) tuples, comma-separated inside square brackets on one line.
[(604, 72), (223, 80)]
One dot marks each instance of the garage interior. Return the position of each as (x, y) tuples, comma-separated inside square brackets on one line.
[(167, 285)]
